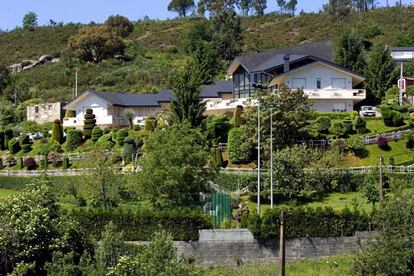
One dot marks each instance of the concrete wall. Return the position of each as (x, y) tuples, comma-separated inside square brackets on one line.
[(44, 113), (331, 105), (230, 247)]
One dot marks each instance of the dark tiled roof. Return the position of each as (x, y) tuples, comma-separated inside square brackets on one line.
[(273, 58), (224, 86), (213, 90)]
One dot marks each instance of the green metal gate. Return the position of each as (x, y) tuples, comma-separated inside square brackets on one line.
[(220, 208)]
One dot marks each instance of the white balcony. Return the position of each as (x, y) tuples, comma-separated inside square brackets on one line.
[(334, 94), (100, 121)]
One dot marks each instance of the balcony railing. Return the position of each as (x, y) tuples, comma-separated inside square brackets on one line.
[(336, 93)]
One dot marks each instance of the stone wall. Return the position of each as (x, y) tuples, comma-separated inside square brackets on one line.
[(230, 247), (44, 113)]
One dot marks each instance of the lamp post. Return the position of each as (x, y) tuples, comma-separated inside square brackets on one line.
[(272, 106)]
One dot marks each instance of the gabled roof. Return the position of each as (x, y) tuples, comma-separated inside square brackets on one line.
[(273, 58)]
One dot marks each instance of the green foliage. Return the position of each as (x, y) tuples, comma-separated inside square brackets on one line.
[(387, 115), (105, 142), (30, 21), (30, 163), (96, 134), (217, 129), (349, 51), (73, 139), (319, 222), (174, 164), (120, 25), (398, 119), (323, 124), (239, 150), (392, 96), (96, 43), (410, 142), (370, 187), (201, 32), (89, 123), (140, 224), (391, 252), (205, 64), (150, 124), (338, 129), (216, 157), (2, 140), (65, 164), (26, 147), (70, 113), (380, 72), (360, 125), (237, 119), (338, 8), (129, 115), (182, 7), (121, 135), (32, 230), (57, 132), (8, 135), (129, 149), (347, 125), (14, 146)]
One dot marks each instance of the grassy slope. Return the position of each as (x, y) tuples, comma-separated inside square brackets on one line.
[(158, 49), (7, 192), (338, 266)]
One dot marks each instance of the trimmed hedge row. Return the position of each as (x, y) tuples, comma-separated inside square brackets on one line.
[(319, 222), (141, 225)]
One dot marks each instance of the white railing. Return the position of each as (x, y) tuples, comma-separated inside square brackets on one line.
[(390, 136), (335, 93)]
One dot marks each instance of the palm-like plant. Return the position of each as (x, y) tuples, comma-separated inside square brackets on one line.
[(129, 115)]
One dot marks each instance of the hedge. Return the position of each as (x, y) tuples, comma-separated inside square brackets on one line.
[(97, 132), (140, 225), (333, 115), (57, 132), (239, 150), (129, 149), (73, 139), (14, 146), (2, 140), (319, 222), (121, 135), (8, 135), (150, 124)]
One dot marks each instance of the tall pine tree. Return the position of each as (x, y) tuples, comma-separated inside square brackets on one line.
[(380, 72), (349, 51)]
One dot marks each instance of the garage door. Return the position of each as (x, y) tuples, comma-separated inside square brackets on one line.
[(298, 83), (338, 83)]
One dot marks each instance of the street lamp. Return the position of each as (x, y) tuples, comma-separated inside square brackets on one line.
[(272, 106), (259, 87)]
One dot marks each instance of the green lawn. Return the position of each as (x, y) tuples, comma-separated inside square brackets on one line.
[(4, 193), (397, 150), (337, 201), (338, 266), (377, 126)]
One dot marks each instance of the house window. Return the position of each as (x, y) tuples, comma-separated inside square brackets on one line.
[(318, 83), (339, 107), (36, 109)]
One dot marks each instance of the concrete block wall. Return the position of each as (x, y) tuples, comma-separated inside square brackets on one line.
[(230, 247)]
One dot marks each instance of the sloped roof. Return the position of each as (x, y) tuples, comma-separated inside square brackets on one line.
[(273, 58)]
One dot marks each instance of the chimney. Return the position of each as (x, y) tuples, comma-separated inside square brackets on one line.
[(286, 59)]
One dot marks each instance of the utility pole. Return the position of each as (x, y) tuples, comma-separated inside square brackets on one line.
[(76, 82), (282, 245), (381, 182)]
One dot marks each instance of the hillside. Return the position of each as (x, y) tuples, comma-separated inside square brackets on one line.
[(157, 48)]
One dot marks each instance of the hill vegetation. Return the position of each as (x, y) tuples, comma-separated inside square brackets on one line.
[(157, 48)]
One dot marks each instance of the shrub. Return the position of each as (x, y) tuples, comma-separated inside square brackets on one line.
[(14, 146), (382, 142), (65, 163), (398, 119), (96, 133), (120, 25), (114, 134), (121, 135), (129, 149), (150, 124), (57, 132), (387, 115), (89, 123), (347, 126), (26, 148), (216, 158), (360, 125), (70, 113), (21, 163), (410, 142), (105, 142), (137, 127), (239, 150), (237, 117), (73, 139), (355, 145), (337, 129), (319, 222), (8, 135), (323, 124), (30, 163), (183, 224)]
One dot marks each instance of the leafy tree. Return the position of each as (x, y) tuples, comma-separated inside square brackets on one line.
[(96, 43), (259, 6), (121, 135), (290, 118), (217, 6), (173, 165), (182, 7), (291, 6), (89, 123), (370, 186), (227, 35), (73, 139), (240, 150), (120, 25), (200, 33), (150, 124), (30, 21), (101, 185), (281, 4), (7, 115), (32, 231), (57, 132), (391, 251), (159, 258), (217, 129), (349, 51), (4, 78), (187, 106), (338, 8), (245, 6), (380, 72)]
